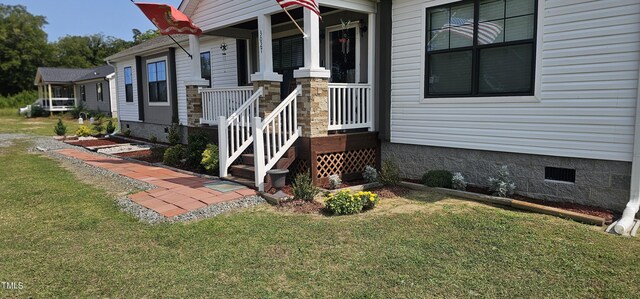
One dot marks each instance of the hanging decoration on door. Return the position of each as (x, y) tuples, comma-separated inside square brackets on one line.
[(344, 38)]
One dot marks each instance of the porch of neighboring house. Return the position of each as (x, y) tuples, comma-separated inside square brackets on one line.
[(56, 97), (309, 103)]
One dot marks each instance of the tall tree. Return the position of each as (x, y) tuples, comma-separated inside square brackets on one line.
[(140, 37), (86, 51), (23, 48)]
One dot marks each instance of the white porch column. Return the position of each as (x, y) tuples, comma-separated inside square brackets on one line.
[(50, 101), (371, 69), (265, 52), (194, 50), (311, 67)]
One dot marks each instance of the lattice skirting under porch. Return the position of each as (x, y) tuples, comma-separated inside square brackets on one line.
[(342, 163)]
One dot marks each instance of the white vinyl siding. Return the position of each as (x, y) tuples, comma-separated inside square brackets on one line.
[(127, 111), (586, 87)]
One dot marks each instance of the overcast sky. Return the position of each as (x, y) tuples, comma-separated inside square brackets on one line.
[(83, 17)]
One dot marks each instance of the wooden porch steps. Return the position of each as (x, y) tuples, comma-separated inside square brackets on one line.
[(245, 173)]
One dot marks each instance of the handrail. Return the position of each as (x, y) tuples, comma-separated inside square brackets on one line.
[(244, 106), (201, 90), (275, 135), (222, 101), (350, 106)]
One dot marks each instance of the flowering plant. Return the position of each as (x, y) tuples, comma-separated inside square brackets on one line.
[(345, 203), (368, 199)]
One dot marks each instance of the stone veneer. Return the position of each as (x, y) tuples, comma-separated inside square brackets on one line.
[(270, 96), (598, 182), (313, 106), (194, 106)]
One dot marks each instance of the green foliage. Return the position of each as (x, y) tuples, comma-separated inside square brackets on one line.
[(127, 133), (153, 139), (23, 48), (86, 51), (173, 155), (210, 159), (196, 144), (174, 136), (437, 178), (157, 153), (111, 127), (389, 174), (37, 111), (19, 100), (77, 110), (83, 131), (345, 203), (370, 174), (60, 129), (98, 127), (303, 187), (140, 37)]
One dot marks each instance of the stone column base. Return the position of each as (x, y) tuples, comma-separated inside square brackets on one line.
[(270, 97), (313, 106), (194, 106)]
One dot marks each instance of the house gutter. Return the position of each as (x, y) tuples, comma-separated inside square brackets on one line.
[(626, 223), (115, 70)]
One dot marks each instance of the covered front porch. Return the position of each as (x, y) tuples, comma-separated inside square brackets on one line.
[(56, 97)]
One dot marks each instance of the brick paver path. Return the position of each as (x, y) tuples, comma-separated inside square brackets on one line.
[(176, 192)]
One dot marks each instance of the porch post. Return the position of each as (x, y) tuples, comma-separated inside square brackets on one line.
[(50, 101), (265, 77), (371, 71), (194, 49), (311, 67)]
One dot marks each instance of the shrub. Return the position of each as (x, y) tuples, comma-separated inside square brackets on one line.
[(334, 181), (502, 185), (127, 133), (437, 178), (98, 126), (174, 134), (83, 131), (75, 112), (196, 144), (368, 199), (370, 174), (389, 174), (153, 139), (19, 100), (343, 203), (210, 159), (157, 153), (36, 111), (111, 127), (173, 155), (303, 187), (60, 129), (458, 182)]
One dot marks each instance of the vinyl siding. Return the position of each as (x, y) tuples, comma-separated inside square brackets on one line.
[(587, 81), (127, 111)]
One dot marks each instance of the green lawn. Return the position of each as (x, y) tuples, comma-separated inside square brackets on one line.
[(63, 238), (11, 122)]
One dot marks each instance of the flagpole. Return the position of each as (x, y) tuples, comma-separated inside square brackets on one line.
[(304, 35)]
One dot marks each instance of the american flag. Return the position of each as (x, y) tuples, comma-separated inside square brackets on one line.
[(487, 31), (310, 4)]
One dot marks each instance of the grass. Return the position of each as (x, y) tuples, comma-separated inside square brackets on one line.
[(64, 238), (11, 122)]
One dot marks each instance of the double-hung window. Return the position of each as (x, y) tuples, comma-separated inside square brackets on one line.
[(157, 72), (83, 93), (128, 84), (481, 48), (99, 92), (205, 66)]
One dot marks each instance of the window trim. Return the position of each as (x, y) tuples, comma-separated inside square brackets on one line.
[(156, 60), (124, 73), (537, 67), (328, 58), (210, 68)]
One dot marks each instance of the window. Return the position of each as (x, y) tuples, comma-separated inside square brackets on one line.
[(288, 55), (205, 66), (128, 84), (99, 92), (481, 48), (83, 93), (157, 82)]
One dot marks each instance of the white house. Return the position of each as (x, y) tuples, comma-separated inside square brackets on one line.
[(548, 88)]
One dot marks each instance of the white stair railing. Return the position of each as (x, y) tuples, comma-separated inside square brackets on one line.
[(350, 106), (235, 133), (275, 135), (222, 101)]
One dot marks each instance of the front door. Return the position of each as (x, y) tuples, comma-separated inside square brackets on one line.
[(343, 53), (288, 55)]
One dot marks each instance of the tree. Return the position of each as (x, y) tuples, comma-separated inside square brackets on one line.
[(23, 48), (86, 51), (140, 37)]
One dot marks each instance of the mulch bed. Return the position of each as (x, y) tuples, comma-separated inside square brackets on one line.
[(608, 215), (390, 191), (301, 206), (345, 184), (286, 189), (97, 142), (144, 155)]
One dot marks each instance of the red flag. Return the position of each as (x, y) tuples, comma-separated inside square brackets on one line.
[(168, 19), (310, 4)]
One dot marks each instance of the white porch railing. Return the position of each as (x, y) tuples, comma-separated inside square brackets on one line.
[(350, 106), (235, 133), (57, 104), (222, 101), (275, 135)]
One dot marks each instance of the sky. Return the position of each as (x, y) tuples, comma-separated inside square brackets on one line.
[(84, 17)]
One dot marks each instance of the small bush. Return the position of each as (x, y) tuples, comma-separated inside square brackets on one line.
[(174, 134), (60, 129), (389, 174), (153, 139), (370, 174), (368, 199), (98, 126), (83, 131), (210, 159), (502, 185), (157, 153), (111, 127), (458, 182), (343, 203), (127, 133), (77, 110), (303, 187), (173, 155), (437, 178), (36, 111), (334, 181), (196, 144)]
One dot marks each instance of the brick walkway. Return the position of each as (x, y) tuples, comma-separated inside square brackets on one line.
[(176, 192)]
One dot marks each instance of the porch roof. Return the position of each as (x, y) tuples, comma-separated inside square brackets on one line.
[(152, 44), (56, 75)]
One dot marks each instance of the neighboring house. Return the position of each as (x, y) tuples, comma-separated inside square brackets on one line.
[(62, 89), (548, 88)]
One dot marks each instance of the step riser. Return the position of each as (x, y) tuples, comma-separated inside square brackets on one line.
[(243, 173)]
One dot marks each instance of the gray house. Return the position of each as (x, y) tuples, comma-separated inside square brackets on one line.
[(62, 89)]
